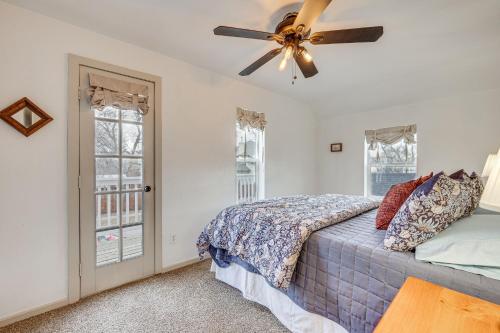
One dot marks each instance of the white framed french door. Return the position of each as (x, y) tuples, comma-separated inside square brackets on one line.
[(117, 197)]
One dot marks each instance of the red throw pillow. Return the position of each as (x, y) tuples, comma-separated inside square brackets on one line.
[(394, 199)]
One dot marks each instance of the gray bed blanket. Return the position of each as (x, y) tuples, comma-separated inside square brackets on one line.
[(345, 274), (269, 234)]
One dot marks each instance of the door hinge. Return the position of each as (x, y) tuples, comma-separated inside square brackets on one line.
[(79, 181), (79, 93), (80, 270)]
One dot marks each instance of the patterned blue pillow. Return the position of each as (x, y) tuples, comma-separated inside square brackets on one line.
[(430, 209), (477, 190)]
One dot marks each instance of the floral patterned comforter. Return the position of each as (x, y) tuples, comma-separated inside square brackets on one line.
[(269, 234)]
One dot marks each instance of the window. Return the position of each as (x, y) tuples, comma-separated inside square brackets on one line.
[(391, 158), (249, 162)]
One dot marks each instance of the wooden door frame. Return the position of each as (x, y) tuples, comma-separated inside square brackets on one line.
[(74, 94)]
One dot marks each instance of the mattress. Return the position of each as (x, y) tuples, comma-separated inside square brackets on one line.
[(345, 274)]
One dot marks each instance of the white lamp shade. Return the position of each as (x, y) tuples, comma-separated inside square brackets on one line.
[(490, 162), (491, 195)]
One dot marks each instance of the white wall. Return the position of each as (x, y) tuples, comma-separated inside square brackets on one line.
[(198, 150), (453, 133)]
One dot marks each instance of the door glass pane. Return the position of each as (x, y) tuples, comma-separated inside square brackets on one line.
[(107, 174), (108, 246), (132, 174), (131, 139), (107, 210), (131, 115), (106, 137), (132, 242), (131, 207), (107, 113)]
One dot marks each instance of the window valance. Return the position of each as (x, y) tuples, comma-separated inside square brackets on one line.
[(105, 91), (391, 135), (251, 119)]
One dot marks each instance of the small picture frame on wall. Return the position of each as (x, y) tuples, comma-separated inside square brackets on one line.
[(336, 147)]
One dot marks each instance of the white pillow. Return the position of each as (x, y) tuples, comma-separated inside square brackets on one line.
[(473, 241)]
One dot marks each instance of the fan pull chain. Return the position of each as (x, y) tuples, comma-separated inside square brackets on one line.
[(294, 73)]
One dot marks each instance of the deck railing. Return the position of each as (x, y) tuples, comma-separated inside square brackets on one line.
[(246, 188), (108, 204)]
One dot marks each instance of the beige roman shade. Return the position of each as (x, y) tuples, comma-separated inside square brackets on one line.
[(251, 118), (391, 135), (106, 91)]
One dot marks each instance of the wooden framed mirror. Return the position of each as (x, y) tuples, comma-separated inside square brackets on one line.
[(25, 116)]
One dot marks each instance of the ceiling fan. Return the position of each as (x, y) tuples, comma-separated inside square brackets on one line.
[(294, 30)]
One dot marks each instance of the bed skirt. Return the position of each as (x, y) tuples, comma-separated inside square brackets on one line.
[(255, 288)]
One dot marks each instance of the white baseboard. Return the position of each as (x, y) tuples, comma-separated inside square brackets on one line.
[(21, 315), (181, 264)]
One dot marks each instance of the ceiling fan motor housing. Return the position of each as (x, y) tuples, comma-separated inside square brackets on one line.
[(286, 30)]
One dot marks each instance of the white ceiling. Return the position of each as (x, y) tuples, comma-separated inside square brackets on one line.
[(430, 48)]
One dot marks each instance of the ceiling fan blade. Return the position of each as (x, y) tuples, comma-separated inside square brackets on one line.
[(358, 35), (244, 33), (306, 67), (309, 13), (259, 63)]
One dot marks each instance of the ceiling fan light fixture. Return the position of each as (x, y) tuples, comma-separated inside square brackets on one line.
[(288, 55), (306, 55), (288, 52), (282, 64)]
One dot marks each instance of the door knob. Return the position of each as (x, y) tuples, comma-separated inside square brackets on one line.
[(147, 188)]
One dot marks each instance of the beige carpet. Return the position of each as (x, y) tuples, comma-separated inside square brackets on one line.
[(186, 300)]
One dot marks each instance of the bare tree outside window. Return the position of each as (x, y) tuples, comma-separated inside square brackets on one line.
[(389, 164), (107, 142)]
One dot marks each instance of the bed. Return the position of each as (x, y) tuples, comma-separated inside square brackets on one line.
[(345, 277)]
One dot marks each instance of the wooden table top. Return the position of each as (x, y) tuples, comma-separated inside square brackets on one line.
[(423, 307)]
